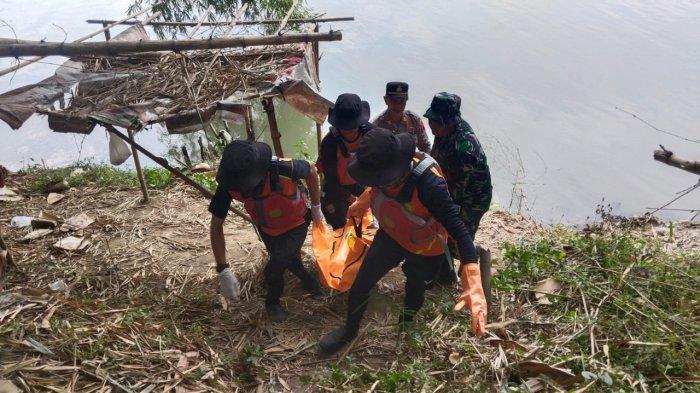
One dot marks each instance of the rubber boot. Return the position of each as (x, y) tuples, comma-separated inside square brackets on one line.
[(315, 289), (335, 340), (276, 312)]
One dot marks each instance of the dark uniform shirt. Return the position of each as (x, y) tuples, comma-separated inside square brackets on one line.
[(464, 165), (293, 169)]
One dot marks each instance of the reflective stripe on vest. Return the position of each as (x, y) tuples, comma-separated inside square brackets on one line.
[(418, 235)]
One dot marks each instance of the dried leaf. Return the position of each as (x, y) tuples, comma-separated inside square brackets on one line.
[(54, 198), (78, 222), (33, 235), (37, 345), (561, 376), (72, 243), (545, 287), (7, 195), (454, 358)]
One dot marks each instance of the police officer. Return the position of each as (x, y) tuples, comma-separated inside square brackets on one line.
[(409, 198), (396, 118), (268, 188)]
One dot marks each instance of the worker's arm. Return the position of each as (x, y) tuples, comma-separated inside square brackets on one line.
[(360, 206), (218, 207), (314, 185), (218, 242)]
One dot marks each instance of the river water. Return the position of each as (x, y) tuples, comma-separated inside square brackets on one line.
[(540, 82)]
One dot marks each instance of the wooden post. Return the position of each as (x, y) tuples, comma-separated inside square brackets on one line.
[(108, 36), (269, 106), (139, 171), (164, 163), (316, 56), (249, 124), (319, 137)]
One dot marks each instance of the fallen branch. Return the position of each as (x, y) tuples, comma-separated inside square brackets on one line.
[(668, 158)]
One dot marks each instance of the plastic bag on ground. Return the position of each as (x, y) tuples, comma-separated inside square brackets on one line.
[(340, 253)]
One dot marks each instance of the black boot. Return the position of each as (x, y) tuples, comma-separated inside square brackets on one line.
[(276, 312), (315, 289), (338, 338)]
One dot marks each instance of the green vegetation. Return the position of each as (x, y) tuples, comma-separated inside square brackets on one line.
[(626, 314), (86, 173)]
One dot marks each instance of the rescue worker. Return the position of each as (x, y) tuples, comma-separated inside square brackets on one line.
[(268, 188), (349, 121), (463, 161), (396, 118), (409, 198)]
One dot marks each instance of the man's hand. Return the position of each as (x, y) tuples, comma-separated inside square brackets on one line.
[(360, 206), (473, 297), (228, 283)]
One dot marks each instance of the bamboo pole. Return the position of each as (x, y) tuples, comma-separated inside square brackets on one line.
[(319, 137), (242, 23), (269, 106), (284, 21), (164, 163), (249, 123), (110, 25), (139, 171), (108, 35), (117, 47)]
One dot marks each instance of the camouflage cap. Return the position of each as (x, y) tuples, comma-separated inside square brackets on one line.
[(444, 106)]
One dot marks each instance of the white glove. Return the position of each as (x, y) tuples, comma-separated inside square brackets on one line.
[(316, 212), (229, 285)]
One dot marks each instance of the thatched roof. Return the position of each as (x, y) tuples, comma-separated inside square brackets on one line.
[(182, 90)]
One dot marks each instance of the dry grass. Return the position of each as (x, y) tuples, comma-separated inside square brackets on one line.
[(142, 313)]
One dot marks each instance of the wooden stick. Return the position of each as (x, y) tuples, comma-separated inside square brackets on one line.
[(242, 23), (110, 25), (249, 123), (108, 35), (139, 171), (284, 21), (269, 106), (118, 47), (668, 158), (164, 163), (319, 137)]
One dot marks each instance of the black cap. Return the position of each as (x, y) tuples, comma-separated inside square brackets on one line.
[(382, 157), (349, 112), (244, 165), (397, 88)]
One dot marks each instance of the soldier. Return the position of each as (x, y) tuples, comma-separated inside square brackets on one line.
[(396, 118), (459, 154)]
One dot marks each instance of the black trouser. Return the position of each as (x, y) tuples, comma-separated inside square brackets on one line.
[(285, 253), (383, 255)]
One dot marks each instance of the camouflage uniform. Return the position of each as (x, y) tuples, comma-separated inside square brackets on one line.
[(463, 162)]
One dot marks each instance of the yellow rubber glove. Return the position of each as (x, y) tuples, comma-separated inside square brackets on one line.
[(473, 297), (360, 206)]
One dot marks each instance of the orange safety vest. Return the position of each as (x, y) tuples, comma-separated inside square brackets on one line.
[(409, 223), (342, 168), (280, 206)]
